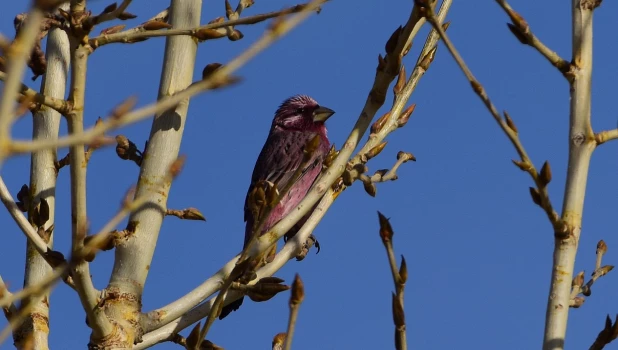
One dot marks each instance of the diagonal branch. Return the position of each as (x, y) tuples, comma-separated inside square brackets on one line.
[(540, 195), (521, 29), (164, 322), (38, 243)]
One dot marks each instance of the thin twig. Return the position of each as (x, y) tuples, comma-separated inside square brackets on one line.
[(604, 136), (134, 35), (60, 105), (507, 126), (522, 31), (88, 295), (400, 276), (297, 296), (24, 224), (214, 80), (186, 214), (17, 57), (104, 17), (91, 247), (578, 286), (9, 309)]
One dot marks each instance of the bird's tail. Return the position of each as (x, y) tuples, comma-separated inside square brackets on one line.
[(230, 307)]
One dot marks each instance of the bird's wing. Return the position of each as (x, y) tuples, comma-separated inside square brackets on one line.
[(279, 159)]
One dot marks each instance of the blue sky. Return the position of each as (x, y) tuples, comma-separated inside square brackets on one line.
[(478, 250)]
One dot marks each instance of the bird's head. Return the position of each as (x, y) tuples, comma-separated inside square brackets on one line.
[(301, 112)]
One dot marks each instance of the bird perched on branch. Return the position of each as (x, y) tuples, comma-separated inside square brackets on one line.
[(285, 164)]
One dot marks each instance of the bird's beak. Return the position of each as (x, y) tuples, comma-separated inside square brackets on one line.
[(321, 114)]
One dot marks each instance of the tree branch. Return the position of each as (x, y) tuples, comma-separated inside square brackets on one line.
[(55, 103), (521, 30), (37, 242), (157, 322), (297, 295), (540, 195), (43, 175), (604, 136), (201, 32), (79, 224), (581, 145), (17, 57), (133, 257), (400, 276)]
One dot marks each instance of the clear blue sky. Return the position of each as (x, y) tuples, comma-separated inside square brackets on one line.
[(478, 250)]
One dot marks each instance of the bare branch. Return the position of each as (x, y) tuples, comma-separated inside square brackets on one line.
[(110, 15), (540, 195), (522, 32), (160, 317), (58, 104), (201, 33), (15, 68), (39, 244), (186, 214), (578, 286), (400, 276), (88, 295), (604, 136), (297, 296), (45, 125)]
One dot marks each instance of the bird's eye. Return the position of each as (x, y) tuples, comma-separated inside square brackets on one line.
[(300, 110)]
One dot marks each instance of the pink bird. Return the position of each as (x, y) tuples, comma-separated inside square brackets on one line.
[(297, 121)]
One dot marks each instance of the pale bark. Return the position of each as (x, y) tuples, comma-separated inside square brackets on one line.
[(133, 256), (581, 145), (46, 122)]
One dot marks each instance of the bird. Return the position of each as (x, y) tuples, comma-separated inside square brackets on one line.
[(298, 120)]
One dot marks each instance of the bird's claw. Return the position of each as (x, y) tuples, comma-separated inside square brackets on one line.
[(311, 241)]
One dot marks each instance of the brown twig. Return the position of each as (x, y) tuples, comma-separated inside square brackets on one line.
[(578, 286), (186, 214), (110, 13), (296, 298), (400, 276), (17, 54), (540, 195), (205, 32), (521, 29)]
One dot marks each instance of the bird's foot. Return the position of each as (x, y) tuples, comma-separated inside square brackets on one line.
[(311, 241)]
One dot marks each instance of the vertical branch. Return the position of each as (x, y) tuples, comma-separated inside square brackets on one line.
[(297, 296), (133, 257), (581, 146), (400, 277), (17, 54), (80, 49), (46, 122)]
